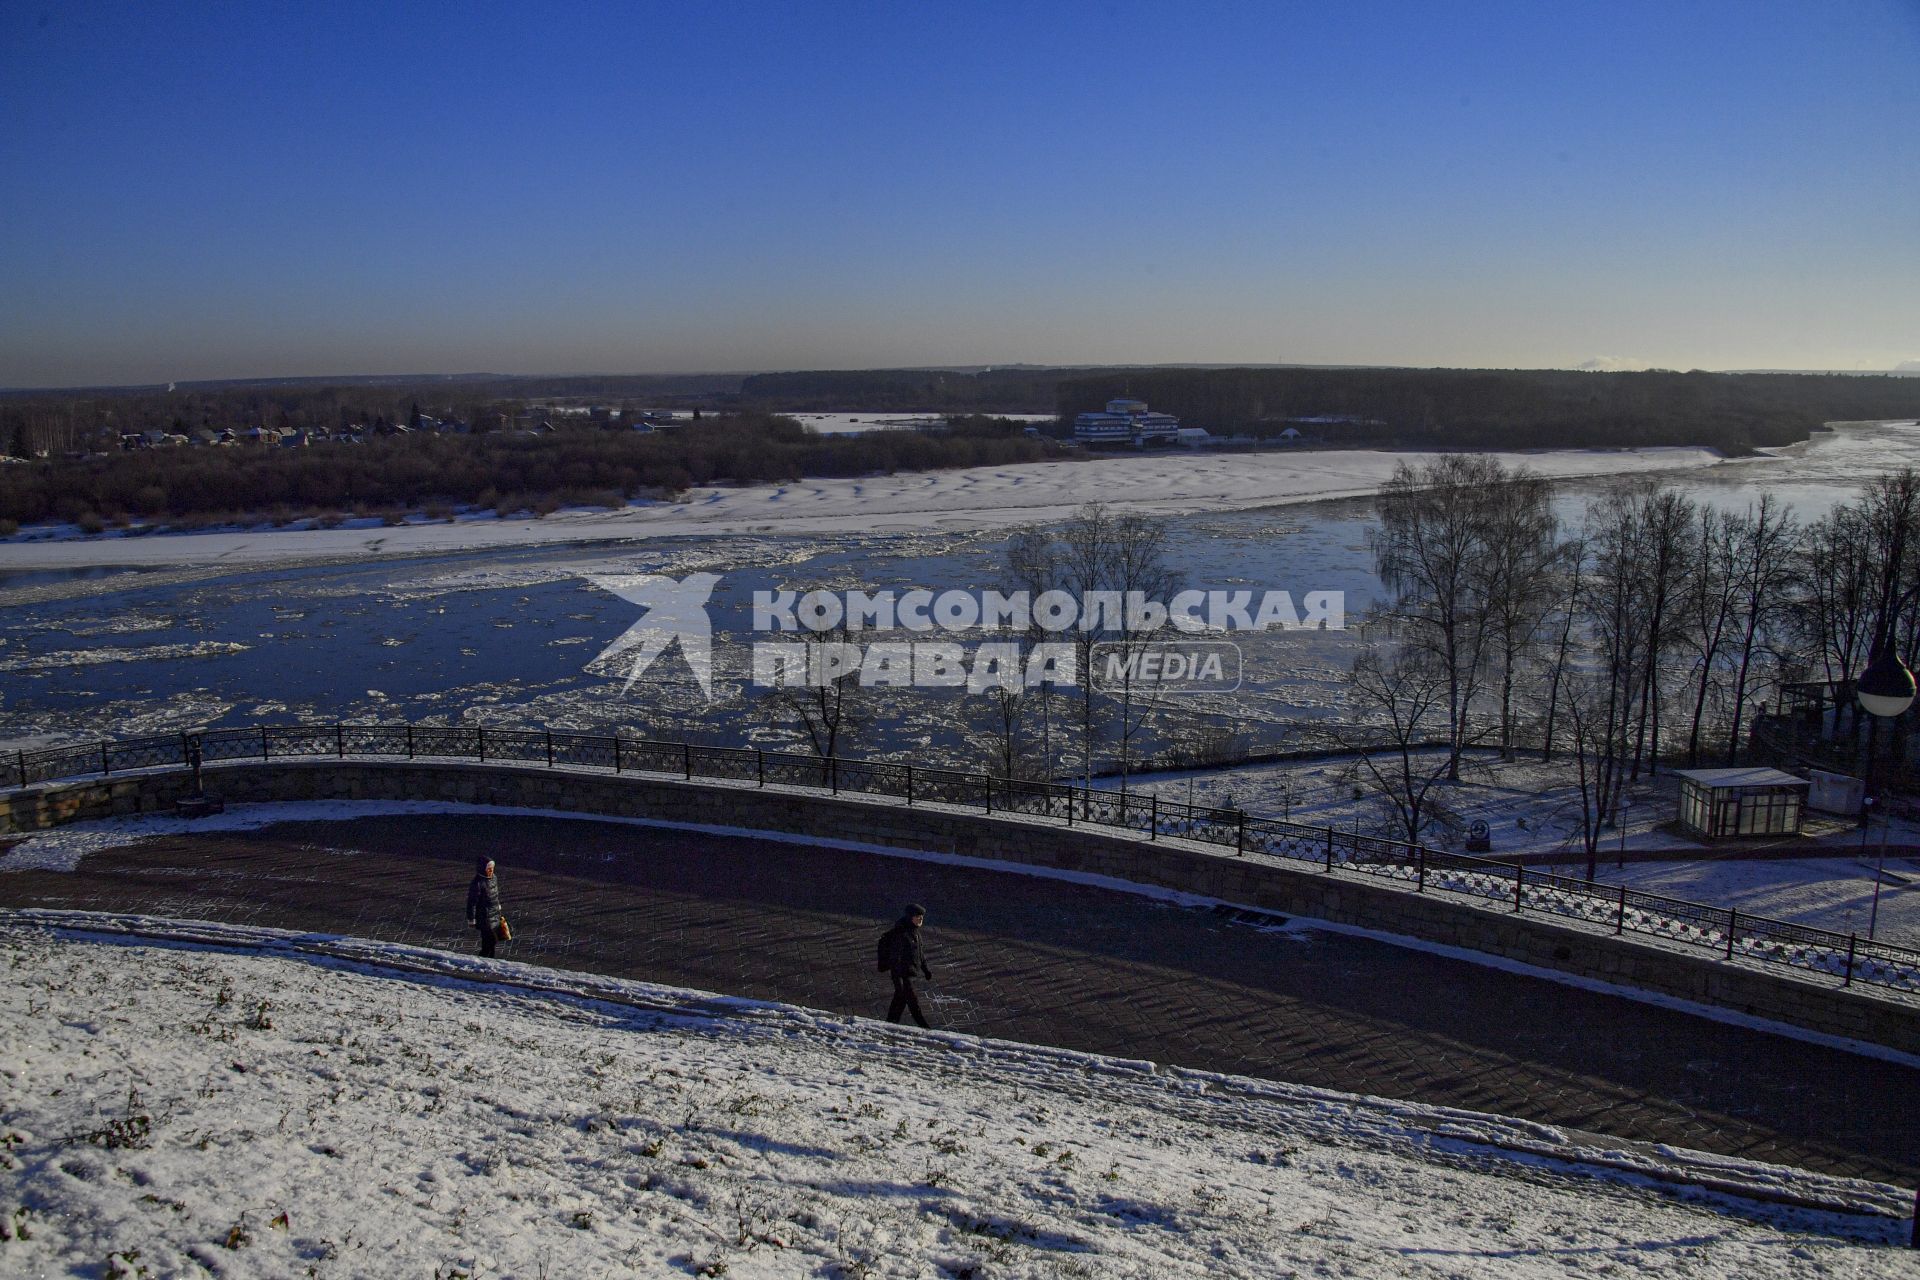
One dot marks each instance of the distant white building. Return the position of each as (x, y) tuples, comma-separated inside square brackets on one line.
[(1125, 421)]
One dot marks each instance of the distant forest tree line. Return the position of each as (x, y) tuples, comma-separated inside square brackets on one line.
[(1460, 408), (1476, 409), (87, 420), (73, 473), (508, 471), (1015, 390), (57, 423)]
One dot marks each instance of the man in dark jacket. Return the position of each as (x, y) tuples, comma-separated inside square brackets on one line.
[(903, 950), (483, 904)]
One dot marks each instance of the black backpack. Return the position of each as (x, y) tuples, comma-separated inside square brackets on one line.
[(889, 949)]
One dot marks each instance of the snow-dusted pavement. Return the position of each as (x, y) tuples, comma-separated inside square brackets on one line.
[(280, 1105)]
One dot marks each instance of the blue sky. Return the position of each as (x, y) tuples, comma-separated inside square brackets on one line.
[(229, 190)]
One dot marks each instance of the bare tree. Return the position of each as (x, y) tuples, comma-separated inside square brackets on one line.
[(1584, 702), (1139, 571), (828, 708), (1838, 591), (1569, 600), (1890, 510), (1890, 515), (1030, 569), (1097, 553), (1004, 729), (1081, 562), (1616, 600), (1519, 569), (1714, 599), (1407, 689), (1433, 523), (1666, 538), (1765, 550)]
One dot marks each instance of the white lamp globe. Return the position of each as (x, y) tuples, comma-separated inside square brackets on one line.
[(1886, 687)]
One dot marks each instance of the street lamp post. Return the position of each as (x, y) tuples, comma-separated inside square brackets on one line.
[(1885, 690), (1879, 871)]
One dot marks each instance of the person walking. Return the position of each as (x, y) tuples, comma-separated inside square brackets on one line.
[(900, 948), (483, 905)]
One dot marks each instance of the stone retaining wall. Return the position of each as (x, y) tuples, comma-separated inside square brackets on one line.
[(1812, 1002)]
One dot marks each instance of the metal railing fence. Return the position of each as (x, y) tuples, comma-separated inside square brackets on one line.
[(1725, 933)]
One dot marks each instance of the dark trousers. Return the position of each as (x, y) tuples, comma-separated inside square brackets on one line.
[(486, 938), (903, 998)]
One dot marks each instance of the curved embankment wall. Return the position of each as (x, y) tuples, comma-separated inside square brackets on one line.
[(1812, 1002)]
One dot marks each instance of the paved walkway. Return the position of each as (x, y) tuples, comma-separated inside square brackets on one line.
[(1038, 960)]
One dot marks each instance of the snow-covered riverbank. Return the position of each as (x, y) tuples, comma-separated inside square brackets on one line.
[(285, 1105), (969, 499)]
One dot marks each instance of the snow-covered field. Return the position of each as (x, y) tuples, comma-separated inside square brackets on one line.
[(1527, 806), (832, 424), (1827, 893), (1531, 807), (270, 1104), (969, 499)]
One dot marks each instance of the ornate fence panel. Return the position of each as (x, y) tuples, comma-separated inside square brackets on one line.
[(229, 744), (1381, 859), (304, 740), (872, 777), (1474, 877), (1554, 895), (1288, 840), (60, 762), (515, 746), (638, 755), (145, 753), (584, 750), (796, 771), (944, 786), (1675, 919), (452, 742), (1801, 946), (374, 739), (1034, 799), (1210, 826), (1886, 966), (725, 763)]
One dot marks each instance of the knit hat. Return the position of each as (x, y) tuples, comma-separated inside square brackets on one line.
[(915, 909)]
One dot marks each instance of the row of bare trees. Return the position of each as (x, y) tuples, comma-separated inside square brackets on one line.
[(1644, 634), (1648, 634), (1044, 729), (1095, 551)]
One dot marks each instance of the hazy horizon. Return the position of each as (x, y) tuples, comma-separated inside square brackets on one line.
[(457, 376), (243, 194)]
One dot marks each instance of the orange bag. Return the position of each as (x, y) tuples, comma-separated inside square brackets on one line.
[(502, 932)]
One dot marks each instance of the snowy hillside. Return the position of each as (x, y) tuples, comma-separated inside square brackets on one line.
[(277, 1105)]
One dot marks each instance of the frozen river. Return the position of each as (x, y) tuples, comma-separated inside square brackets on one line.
[(489, 622)]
